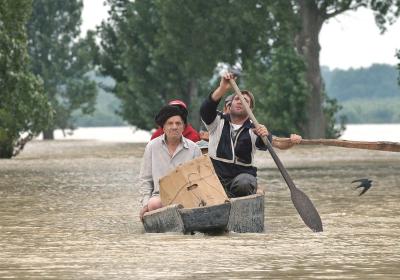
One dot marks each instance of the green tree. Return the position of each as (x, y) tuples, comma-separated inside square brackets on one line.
[(61, 59), (158, 50), (24, 109), (281, 92), (313, 14), (276, 77)]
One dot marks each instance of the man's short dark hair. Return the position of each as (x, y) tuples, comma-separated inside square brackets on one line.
[(249, 94)]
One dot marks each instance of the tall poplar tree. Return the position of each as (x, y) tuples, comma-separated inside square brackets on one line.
[(24, 109), (62, 59)]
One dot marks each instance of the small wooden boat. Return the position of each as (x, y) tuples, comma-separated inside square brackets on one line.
[(242, 214), (196, 201)]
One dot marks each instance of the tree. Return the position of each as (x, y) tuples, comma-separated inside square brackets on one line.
[(277, 77), (281, 92), (313, 14), (61, 59), (24, 109), (156, 50), (162, 49)]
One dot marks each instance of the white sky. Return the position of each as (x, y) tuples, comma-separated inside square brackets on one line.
[(94, 11), (353, 40), (348, 40)]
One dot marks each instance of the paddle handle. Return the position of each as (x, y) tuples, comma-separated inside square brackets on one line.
[(278, 162), (379, 145)]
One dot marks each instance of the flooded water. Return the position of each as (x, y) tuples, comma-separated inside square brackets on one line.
[(69, 210)]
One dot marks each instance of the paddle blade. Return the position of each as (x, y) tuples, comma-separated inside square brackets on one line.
[(306, 210)]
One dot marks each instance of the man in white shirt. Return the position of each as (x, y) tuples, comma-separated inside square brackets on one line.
[(163, 154)]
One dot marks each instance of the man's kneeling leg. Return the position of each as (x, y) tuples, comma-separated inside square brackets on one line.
[(243, 184)]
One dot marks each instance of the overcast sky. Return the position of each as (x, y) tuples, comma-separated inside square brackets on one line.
[(353, 40), (348, 40)]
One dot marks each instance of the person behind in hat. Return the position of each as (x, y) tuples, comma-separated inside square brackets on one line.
[(227, 103), (204, 135), (233, 140), (203, 145), (163, 154), (188, 132)]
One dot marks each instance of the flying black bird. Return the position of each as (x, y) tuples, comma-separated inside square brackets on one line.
[(365, 183)]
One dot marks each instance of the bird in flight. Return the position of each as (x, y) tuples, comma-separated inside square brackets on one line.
[(364, 183)]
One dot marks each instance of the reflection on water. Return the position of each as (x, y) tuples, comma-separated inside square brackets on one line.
[(69, 210), (372, 132)]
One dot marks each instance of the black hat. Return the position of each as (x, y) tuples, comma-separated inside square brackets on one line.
[(169, 111)]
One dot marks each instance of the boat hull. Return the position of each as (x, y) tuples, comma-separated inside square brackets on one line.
[(242, 214)]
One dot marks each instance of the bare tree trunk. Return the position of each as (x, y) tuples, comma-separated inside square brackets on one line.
[(20, 144), (48, 134), (6, 148), (307, 44), (193, 90)]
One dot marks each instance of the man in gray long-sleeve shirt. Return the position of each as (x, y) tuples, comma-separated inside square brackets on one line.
[(163, 154)]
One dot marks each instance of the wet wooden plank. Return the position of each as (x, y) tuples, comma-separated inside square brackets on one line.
[(206, 219), (166, 219), (247, 214)]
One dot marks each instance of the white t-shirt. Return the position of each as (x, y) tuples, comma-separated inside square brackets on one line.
[(234, 130)]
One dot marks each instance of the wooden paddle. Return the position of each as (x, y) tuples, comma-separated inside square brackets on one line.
[(381, 145), (301, 202)]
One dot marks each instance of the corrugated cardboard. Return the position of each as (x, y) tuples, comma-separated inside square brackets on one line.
[(192, 184)]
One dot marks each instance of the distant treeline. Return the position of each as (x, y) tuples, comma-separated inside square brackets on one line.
[(368, 95)]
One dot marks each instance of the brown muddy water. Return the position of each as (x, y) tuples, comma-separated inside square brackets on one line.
[(69, 210)]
